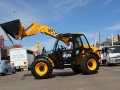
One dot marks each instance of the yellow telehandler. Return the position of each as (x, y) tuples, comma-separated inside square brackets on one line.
[(82, 58)]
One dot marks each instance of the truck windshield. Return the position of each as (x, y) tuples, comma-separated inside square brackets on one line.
[(114, 49)]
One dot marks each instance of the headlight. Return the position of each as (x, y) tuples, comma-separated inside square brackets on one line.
[(111, 58)]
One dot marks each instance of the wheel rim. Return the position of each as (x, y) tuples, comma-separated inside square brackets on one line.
[(91, 64), (41, 68)]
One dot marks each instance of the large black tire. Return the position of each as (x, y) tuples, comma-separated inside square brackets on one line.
[(90, 64), (77, 69), (41, 68)]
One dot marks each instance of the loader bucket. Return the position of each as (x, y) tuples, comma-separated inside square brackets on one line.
[(11, 28)]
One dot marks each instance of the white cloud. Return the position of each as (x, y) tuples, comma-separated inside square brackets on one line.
[(116, 11), (84, 2), (107, 2), (64, 6), (114, 28), (69, 4), (27, 13)]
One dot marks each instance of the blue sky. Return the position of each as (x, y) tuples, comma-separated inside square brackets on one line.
[(85, 16)]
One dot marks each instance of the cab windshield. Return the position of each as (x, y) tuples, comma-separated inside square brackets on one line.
[(114, 49)]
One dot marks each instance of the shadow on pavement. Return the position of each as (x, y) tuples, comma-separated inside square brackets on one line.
[(64, 73), (55, 74), (25, 75)]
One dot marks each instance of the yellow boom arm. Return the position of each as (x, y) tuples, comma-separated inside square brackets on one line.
[(17, 31), (35, 28)]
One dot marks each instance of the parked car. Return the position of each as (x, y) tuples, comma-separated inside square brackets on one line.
[(5, 67)]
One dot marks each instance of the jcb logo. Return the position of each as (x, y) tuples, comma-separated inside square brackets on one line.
[(53, 32)]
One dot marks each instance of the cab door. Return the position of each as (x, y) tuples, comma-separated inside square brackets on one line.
[(80, 44), (60, 50)]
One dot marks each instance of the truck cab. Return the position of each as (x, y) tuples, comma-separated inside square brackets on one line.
[(111, 55)]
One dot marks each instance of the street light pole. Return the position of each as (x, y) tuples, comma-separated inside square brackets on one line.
[(7, 14), (112, 38)]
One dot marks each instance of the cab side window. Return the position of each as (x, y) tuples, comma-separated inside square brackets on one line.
[(85, 43), (78, 42)]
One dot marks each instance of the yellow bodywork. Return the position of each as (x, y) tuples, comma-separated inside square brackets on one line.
[(50, 61), (94, 50), (35, 28)]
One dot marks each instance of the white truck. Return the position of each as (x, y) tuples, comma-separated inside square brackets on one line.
[(21, 58), (110, 55)]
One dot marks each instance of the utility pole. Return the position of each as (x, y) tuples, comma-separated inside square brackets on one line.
[(118, 36), (99, 38), (112, 38)]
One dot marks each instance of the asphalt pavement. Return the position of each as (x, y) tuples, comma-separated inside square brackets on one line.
[(108, 78)]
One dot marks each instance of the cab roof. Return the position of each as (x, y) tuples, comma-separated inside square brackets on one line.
[(70, 34)]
